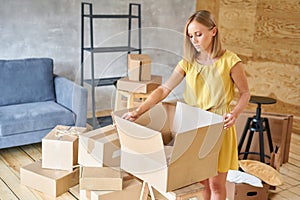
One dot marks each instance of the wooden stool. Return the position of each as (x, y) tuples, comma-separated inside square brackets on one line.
[(131, 99), (259, 125)]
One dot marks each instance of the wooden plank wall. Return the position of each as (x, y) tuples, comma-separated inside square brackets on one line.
[(266, 35)]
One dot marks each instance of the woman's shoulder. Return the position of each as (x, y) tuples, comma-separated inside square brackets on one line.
[(230, 57), (185, 64), (230, 54)]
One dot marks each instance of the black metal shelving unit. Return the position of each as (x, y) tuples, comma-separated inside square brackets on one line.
[(98, 82)]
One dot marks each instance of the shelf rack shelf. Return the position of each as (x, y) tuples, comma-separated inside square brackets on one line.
[(98, 82)]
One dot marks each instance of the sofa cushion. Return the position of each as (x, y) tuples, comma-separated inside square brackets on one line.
[(26, 80), (27, 117)]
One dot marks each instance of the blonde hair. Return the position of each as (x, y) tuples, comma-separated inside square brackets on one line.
[(207, 19)]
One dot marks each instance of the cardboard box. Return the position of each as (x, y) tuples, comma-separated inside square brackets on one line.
[(60, 148), (280, 127), (100, 178), (242, 191), (198, 136), (139, 67), (100, 147), (131, 190), (49, 181), (141, 86)]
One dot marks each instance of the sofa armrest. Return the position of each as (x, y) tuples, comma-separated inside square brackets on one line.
[(73, 97)]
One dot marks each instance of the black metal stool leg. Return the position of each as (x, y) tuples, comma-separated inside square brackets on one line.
[(261, 141), (269, 135), (242, 139), (248, 145)]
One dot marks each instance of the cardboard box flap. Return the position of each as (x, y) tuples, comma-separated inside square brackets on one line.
[(188, 123), (211, 138), (188, 118), (137, 136), (182, 142), (140, 143), (149, 119), (143, 163)]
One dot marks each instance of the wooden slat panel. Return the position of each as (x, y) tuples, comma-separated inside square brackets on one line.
[(15, 158), (237, 25), (12, 159), (212, 6), (289, 195), (292, 168), (277, 36), (12, 180), (34, 151), (289, 173), (295, 190), (294, 161), (266, 34), (5, 192), (279, 81)]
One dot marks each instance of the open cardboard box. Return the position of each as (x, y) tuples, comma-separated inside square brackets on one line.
[(171, 146), (243, 191)]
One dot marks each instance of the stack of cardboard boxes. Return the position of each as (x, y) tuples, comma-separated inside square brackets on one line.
[(148, 149), (98, 173), (138, 84), (55, 174)]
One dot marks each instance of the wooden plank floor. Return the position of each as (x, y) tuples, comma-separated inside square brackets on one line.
[(11, 159)]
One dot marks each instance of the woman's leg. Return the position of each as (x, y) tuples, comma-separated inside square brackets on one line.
[(206, 192), (218, 186)]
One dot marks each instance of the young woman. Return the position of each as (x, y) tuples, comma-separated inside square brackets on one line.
[(211, 74)]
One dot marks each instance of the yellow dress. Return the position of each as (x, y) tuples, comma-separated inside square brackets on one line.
[(210, 87)]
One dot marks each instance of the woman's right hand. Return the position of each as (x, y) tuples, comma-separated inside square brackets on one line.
[(131, 116)]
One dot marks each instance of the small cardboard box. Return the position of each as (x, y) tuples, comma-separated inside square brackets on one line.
[(60, 148), (49, 181), (280, 127), (197, 137), (100, 147), (131, 190), (139, 67), (141, 86), (243, 191), (100, 178)]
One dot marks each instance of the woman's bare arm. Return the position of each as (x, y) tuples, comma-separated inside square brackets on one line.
[(239, 77), (158, 94)]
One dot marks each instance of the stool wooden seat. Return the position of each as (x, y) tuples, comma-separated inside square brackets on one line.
[(131, 99), (259, 125)]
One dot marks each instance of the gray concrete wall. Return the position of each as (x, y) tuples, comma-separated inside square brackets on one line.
[(51, 28)]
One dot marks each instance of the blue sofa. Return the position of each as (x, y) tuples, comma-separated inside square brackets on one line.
[(33, 101)]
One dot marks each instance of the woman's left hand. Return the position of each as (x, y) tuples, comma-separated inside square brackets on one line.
[(229, 120)]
